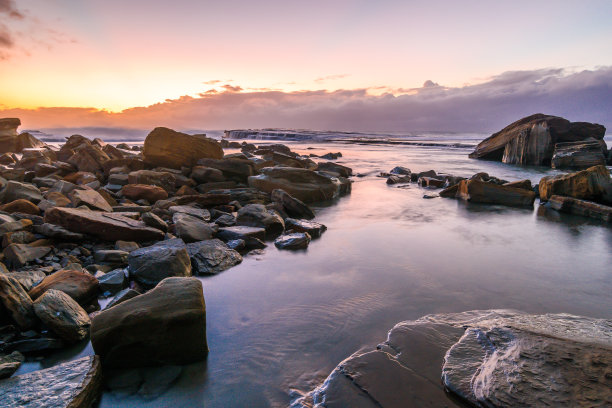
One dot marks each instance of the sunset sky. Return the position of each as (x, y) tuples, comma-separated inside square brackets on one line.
[(320, 55)]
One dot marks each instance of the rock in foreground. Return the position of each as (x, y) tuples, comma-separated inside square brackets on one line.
[(74, 384), (166, 325), (497, 358)]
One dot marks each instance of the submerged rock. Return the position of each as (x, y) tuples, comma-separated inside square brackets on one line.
[(10, 363), (581, 207), (73, 384), (314, 229), (296, 240), (166, 325), (579, 155)]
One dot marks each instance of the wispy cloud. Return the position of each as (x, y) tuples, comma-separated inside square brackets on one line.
[(488, 106), (331, 78)]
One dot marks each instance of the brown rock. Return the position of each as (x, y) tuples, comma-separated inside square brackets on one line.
[(167, 148), (60, 313), (489, 193), (90, 198), (581, 207), (449, 192), (89, 158), (17, 302), (21, 206), (144, 191), (163, 179), (592, 184), (10, 141), (524, 184), (106, 226), (11, 226), (19, 255), (166, 325), (579, 155), (185, 190), (80, 286), (17, 237), (305, 185), (81, 177), (54, 199)]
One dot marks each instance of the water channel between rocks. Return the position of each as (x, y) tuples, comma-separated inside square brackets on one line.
[(281, 321)]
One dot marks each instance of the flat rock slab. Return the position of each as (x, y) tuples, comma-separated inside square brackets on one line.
[(74, 384), (106, 226), (491, 358)]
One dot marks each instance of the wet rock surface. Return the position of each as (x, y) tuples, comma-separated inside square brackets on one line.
[(62, 315), (211, 257), (150, 265)]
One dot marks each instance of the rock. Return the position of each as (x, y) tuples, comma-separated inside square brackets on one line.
[(305, 185), (524, 184), (331, 156), (296, 240), (150, 265), (489, 193), (430, 182), (531, 140), (191, 229), (15, 190), (314, 229), (154, 221), (167, 148), (593, 184), (91, 199), (127, 246), (36, 345), (21, 206), (253, 237), (80, 286), (12, 226), (292, 206), (144, 191), (19, 255), (396, 179), (257, 215), (202, 214), (111, 256), (113, 282), (18, 237), (225, 220), (579, 155), (166, 325), (57, 232), (122, 296), (211, 257), (12, 142), (399, 170), (8, 127), (581, 207), (236, 244), (449, 192), (106, 226), (60, 313), (28, 279), (237, 169), (89, 158), (10, 363), (17, 302), (163, 179), (203, 174), (336, 168), (73, 384)]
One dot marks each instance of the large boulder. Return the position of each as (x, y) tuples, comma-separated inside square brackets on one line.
[(579, 155), (60, 313), (89, 158), (531, 140), (150, 265), (166, 325), (74, 384), (80, 286), (477, 191), (211, 257), (257, 215), (12, 142), (106, 226), (593, 184), (17, 302), (15, 190), (305, 185), (165, 147)]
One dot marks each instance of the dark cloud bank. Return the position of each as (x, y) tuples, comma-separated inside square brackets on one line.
[(578, 96)]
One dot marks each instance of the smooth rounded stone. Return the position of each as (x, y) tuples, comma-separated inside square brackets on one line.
[(10, 363), (335, 168), (203, 175), (593, 184), (57, 232), (296, 240), (211, 257), (73, 384), (122, 296), (20, 206), (402, 171), (106, 226), (17, 302), (144, 191), (81, 286), (314, 229), (111, 256), (305, 185), (154, 221), (60, 313), (19, 255), (150, 265), (192, 229), (91, 199), (200, 213), (28, 279), (397, 179), (490, 193), (292, 206), (257, 215), (127, 246), (15, 190), (167, 148), (166, 325), (113, 282)]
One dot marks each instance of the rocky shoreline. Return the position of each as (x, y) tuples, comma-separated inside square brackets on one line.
[(133, 225)]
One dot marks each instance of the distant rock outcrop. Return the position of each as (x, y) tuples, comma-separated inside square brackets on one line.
[(11, 141), (534, 140)]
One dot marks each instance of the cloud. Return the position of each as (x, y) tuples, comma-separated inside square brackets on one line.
[(331, 78), (8, 7), (231, 88), (214, 82), (484, 107)]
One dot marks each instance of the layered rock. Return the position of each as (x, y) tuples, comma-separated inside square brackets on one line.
[(166, 325), (305, 185), (531, 140), (257, 215), (167, 148), (581, 207), (490, 193), (579, 155), (80, 286), (17, 302), (12, 142), (593, 184), (60, 313), (211, 257)]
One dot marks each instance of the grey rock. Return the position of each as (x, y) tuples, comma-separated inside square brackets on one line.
[(55, 231), (150, 265), (252, 236), (10, 363), (111, 256), (113, 281), (28, 279), (200, 213), (211, 257), (15, 190), (192, 229), (314, 229), (402, 171), (297, 240), (292, 206), (257, 215), (154, 221), (122, 296)]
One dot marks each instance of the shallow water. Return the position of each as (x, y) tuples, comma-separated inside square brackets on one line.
[(281, 321)]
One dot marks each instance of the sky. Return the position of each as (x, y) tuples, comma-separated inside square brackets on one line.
[(345, 65)]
